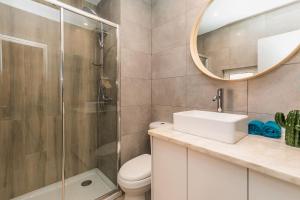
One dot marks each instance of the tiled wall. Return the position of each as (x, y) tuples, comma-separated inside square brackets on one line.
[(135, 77), (134, 17), (178, 85)]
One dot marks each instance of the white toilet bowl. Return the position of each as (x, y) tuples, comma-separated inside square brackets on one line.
[(134, 177)]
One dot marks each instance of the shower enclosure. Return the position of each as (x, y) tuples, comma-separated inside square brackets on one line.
[(59, 102)]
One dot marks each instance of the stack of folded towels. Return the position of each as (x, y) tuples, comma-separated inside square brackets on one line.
[(269, 129)]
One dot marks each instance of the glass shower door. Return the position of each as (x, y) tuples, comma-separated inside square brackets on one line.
[(90, 105), (30, 115)]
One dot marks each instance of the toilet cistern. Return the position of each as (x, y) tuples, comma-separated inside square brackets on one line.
[(219, 99)]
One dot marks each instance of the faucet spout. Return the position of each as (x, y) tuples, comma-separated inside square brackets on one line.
[(219, 99)]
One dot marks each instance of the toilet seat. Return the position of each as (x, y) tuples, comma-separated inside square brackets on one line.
[(136, 173), (134, 184)]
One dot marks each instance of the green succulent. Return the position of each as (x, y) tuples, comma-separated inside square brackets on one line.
[(291, 123)]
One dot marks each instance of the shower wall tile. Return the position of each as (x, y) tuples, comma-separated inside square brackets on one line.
[(35, 165), (24, 119), (107, 164)]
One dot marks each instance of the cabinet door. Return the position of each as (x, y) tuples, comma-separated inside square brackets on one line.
[(169, 171), (263, 187), (214, 179)]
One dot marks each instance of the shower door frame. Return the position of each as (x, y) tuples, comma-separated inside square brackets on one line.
[(62, 6)]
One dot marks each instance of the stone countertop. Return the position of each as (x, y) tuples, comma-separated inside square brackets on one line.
[(264, 155)]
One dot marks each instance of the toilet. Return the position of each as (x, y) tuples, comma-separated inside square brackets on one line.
[(134, 177)]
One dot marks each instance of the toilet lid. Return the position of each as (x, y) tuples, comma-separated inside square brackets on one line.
[(136, 169)]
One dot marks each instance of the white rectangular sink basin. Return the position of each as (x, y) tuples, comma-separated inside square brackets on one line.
[(223, 127)]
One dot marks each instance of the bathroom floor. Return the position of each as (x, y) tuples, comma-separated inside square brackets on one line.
[(74, 191)]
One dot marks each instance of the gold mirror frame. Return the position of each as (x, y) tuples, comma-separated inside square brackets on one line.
[(202, 68)]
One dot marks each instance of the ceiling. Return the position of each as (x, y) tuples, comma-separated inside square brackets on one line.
[(224, 12)]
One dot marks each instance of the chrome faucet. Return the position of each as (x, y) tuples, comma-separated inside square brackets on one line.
[(219, 99)]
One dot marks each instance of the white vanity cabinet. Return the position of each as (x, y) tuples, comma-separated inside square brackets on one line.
[(169, 171), (263, 187), (180, 173), (214, 179)]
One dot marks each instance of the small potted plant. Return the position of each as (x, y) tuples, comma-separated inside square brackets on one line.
[(291, 123)]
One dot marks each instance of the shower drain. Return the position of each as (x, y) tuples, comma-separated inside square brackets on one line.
[(86, 183)]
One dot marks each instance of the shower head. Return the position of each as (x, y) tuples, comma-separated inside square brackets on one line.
[(89, 10)]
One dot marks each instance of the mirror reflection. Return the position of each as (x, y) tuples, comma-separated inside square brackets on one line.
[(242, 38)]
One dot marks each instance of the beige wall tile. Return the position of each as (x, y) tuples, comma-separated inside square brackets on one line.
[(191, 19), (169, 63), (134, 144), (164, 113), (135, 64), (135, 119), (135, 92), (171, 34), (192, 4), (261, 117), (201, 90), (277, 91), (169, 92), (135, 37), (166, 10), (136, 77), (137, 11), (192, 69)]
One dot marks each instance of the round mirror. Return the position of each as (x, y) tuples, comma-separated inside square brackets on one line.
[(242, 39)]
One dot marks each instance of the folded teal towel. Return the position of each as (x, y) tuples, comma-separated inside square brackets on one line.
[(272, 130), (255, 127)]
